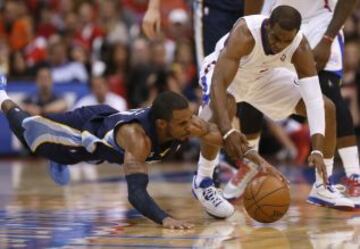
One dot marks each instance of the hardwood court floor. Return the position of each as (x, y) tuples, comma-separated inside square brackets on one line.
[(35, 213)]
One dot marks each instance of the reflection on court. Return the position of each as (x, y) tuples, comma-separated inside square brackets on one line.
[(93, 212)]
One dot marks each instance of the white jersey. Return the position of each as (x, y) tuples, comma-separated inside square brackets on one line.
[(316, 16), (307, 8), (258, 62), (261, 79)]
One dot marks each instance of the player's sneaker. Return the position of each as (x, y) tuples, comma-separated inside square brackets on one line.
[(2, 83), (59, 173), (329, 196), (235, 188), (211, 199), (352, 185)]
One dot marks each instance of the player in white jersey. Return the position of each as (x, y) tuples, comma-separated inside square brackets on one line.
[(247, 65), (321, 24)]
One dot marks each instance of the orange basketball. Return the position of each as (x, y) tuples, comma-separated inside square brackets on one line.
[(267, 199)]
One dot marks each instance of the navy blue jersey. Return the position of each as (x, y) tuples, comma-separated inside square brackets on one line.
[(89, 133), (228, 5)]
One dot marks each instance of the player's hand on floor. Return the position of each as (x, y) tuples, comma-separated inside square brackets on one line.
[(236, 145), (172, 223), (318, 161)]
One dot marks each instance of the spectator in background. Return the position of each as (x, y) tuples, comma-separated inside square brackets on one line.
[(158, 55), (140, 70), (113, 22), (15, 25), (45, 100), (18, 67), (117, 68), (4, 57), (88, 29), (62, 70), (100, 94), (81, 55)]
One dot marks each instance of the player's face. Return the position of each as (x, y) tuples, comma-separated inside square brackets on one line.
[(279, 38), (177, 126)]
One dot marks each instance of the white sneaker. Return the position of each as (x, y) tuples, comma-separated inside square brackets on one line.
[(328, 196), (209, 197), (235, 188), (345, 191)]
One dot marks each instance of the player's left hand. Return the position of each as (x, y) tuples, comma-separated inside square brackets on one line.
[(318, 161), (172, 223), (322, 53), (197, 127)]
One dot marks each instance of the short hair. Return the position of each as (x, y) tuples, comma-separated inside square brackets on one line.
[(287, 17), (167, 102)]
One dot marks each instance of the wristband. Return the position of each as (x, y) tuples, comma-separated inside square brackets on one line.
[(227, 134), (317, 152), (328, 38)]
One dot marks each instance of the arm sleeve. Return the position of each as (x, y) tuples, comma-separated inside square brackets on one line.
[(140, 198), (310, 91)]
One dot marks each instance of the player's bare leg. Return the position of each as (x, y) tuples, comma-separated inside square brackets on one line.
[(58, 172), (203, 186), (321, 194)]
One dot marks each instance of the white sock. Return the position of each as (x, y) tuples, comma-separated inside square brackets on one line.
[(254, 143), (350, 159), (329, 163), (3, 97), (206, 168)]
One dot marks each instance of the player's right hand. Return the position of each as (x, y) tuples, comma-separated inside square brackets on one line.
[(318, 161), (172, 223), (236, 145), (151, 23)]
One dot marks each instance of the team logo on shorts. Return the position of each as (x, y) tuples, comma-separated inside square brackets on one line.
[(283, 57)]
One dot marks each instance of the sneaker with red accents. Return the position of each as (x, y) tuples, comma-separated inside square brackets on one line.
[(352, 184), (235, 188)]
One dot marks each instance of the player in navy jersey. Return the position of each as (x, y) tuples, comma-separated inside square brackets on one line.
[(101, 133)]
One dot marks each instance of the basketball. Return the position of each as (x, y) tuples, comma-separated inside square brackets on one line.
[(266, 199)]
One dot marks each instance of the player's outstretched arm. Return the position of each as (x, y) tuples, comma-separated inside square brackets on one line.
[(240, 43), (137, 146), (322, 50), (309, 87), (210, 134)]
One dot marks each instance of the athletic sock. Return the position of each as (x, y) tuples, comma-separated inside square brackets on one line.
[(350, 159), (206, 168)]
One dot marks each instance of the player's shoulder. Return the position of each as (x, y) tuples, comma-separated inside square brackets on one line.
[(133, 135), (303, 45), (241, 34)]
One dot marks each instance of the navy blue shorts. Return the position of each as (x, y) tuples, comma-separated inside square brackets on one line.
[(58, 136), (212, 22)]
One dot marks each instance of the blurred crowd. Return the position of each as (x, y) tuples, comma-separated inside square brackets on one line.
[(79, 40), (100, 43)]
